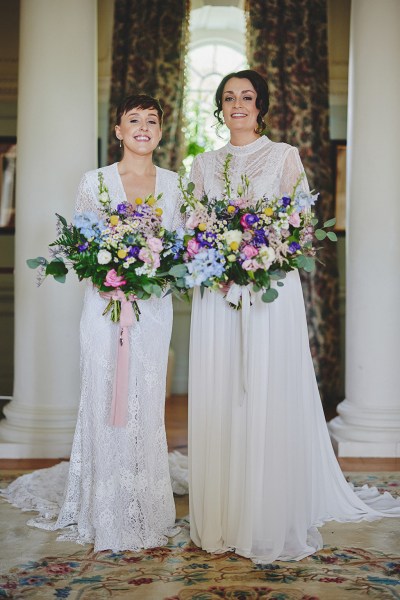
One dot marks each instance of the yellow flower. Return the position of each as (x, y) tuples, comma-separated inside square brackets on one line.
[(138, 201), (158, 212), (114, 220), (122, 253), (231, 209), (151, 200), (234, 246), (268, 211), (231, 257), (202, 226)]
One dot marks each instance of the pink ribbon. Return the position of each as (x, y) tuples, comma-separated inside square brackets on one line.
[(119, 404)]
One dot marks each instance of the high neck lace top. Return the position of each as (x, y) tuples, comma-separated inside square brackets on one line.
[(272, 168)]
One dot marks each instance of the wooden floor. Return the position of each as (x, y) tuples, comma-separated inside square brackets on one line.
[(176, 418)]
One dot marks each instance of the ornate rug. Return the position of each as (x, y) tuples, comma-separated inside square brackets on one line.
[(358, 561)]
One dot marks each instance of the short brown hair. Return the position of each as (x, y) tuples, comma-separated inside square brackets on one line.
[(142, 101)]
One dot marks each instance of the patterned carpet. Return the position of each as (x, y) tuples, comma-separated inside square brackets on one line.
[(358, 561)]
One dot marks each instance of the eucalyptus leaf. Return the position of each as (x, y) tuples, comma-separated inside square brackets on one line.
[(277, 274), (60, 278), (56, 268), (309, 264), (157, 290), (301, 261), (34, 263), (178, 270), (280, 283), (314, 221), (330, 222), (332, 236), (270, 295), (320, 234)]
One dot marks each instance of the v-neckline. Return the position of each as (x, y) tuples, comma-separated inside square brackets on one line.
[(122, 185)]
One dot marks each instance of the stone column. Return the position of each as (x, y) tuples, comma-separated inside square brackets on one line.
[(56, 143), (369, 418)]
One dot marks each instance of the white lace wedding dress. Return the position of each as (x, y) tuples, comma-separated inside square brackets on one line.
[(262, 472), (118, 492)]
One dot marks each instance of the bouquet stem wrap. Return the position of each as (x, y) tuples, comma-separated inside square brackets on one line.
[(242, 295), (119, 404)]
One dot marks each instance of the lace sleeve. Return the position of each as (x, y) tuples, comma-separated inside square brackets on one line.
[(178, 219), (197, 176), (292, 168), (86, 199)]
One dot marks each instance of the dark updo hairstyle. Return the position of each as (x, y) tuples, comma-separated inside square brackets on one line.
[(142, 101), (262, 100)]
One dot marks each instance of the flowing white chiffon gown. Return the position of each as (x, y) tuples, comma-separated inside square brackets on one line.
[(116, 491), (262, 472)]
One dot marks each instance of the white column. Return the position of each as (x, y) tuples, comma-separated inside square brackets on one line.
[(56, 143), (369, 418)]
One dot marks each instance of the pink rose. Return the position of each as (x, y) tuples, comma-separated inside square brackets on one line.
[(193, 247), (156, 260), (243, 222), (155, 244), (250, 265), (294, 219), (149, 257), (146, 255), (114, 280), (192, 222), (241, 202), (250, 251)]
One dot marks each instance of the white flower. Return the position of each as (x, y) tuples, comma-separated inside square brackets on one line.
[(233, 236), (103, 197), (104, 257), (267, 256)]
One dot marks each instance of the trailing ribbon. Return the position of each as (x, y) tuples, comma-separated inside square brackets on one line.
[(119, 404), (235, 295)]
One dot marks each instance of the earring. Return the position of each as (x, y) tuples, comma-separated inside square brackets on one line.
[(120, 143)]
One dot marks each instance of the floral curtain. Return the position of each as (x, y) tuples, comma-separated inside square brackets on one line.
[(287, 44), (149, 48)]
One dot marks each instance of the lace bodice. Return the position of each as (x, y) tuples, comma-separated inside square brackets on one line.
[(166, 182), (273, 168)]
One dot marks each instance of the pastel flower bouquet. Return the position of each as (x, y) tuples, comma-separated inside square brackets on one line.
[(238, 240), (124, 251)]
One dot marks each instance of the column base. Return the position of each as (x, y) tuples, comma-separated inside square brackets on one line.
[(359, 449), (34, 450), (36, 431)]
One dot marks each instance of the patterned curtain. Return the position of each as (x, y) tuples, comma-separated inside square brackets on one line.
[(149, 48), (287, 44)]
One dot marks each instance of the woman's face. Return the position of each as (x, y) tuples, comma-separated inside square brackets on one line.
[(239, 105), (140, 130)]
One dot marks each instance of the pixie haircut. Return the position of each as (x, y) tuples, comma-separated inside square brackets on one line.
[(259, 84), (142, 101)]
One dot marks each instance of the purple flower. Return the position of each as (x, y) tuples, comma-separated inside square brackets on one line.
[(293, 247), (83, 247), (248, 220), (203, 242), (134, 251), (122, 208), (285, 201), (260, 237)]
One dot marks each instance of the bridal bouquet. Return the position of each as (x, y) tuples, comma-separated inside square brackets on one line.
[(237, 239), (125, 252)]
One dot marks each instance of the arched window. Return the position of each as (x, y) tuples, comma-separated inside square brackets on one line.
[(217, 47)]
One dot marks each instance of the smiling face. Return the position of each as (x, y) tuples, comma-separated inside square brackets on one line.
[(239, 106), (140, 130)]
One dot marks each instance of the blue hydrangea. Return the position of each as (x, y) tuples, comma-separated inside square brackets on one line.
[(206, 264), (89, 225), (304, 201)]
